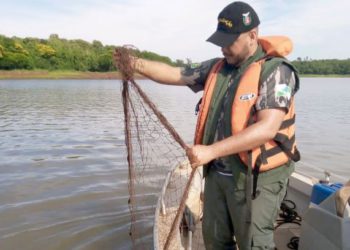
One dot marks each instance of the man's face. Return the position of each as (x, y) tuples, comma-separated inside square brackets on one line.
[(239, 51)]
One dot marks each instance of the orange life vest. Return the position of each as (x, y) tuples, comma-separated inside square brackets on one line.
[(273, 153)]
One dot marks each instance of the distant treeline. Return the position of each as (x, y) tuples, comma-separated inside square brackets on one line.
[(61, 54), (323, 67)]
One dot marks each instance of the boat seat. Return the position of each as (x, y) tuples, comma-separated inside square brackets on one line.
[(327, 225)]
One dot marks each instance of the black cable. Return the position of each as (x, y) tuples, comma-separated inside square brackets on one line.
[(293, 243), (289, 215)]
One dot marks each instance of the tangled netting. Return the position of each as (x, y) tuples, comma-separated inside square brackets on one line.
[(160, 176)]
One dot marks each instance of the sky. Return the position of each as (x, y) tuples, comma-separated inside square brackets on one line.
[(178, 29)]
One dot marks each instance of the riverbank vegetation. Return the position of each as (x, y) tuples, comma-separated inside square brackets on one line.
[(58, 54), (329, 67), (56, 57)]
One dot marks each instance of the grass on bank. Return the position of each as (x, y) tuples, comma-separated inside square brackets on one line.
[(59, 74)]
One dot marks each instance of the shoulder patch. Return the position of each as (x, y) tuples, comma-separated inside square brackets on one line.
[(283, 90)]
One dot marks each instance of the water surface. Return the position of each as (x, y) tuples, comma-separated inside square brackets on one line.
[(63, 172)]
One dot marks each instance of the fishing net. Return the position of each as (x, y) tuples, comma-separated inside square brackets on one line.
[(163, 203)]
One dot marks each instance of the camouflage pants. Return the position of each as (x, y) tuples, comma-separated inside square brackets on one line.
[(225, 214)]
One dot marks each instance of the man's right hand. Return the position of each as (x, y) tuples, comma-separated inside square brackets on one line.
[(199, 155), (159, 72), (125, 62)]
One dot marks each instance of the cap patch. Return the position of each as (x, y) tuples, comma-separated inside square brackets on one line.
[(226, 22), (247, 20)]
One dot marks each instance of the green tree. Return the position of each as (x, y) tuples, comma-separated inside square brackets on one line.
[(13, 60), (105, 62), (45, 51)]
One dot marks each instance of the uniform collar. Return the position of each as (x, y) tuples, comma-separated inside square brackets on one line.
[(258, 54)]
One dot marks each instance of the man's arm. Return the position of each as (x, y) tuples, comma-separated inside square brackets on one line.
[(156, 71), (159, 72), (265, 129), (192, 75)]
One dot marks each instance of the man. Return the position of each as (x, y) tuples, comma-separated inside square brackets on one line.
[(245, 131)]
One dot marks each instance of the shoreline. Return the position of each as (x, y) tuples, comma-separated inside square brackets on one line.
[(59, 74), (323, 76), (69, 74)]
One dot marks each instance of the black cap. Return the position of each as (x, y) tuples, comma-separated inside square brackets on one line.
[(234, 19)]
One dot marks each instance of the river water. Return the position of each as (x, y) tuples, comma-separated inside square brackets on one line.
[(63, 172)]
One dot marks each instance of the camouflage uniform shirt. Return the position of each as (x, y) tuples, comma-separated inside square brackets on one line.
[(275, 91)]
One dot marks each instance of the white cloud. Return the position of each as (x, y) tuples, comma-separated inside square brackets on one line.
[(178, 29)]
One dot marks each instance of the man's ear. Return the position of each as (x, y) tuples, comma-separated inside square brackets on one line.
[(253, 34)]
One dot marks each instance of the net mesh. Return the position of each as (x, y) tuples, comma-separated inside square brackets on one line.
[(162, 185)]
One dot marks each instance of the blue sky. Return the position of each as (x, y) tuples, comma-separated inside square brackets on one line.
[(319, 28)]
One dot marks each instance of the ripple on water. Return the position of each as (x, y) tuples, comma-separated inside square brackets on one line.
[(73, 156)]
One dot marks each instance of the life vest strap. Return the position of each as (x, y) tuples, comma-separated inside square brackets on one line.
[(263, 155), (196, 111), (249, 190), (286, 145), (282, 138), (287, 123), (253, 173), (256, 172)]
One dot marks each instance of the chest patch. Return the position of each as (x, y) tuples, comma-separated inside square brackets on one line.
[(247, 97)]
